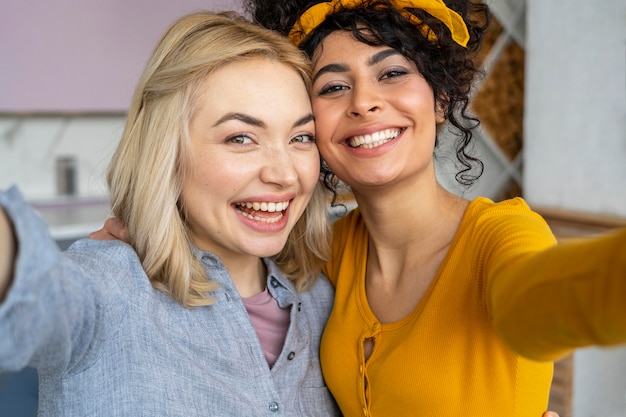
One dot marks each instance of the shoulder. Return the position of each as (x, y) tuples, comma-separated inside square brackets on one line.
[(348, 222), (111, 265), (322, 288), (509, 224), (105, 253), (347, 230), (319, 298), (486, 205), (485, 213)]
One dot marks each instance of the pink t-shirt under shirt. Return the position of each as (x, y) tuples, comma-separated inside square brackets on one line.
[(270, 323)]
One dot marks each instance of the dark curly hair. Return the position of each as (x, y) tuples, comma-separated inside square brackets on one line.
[(449, 68)]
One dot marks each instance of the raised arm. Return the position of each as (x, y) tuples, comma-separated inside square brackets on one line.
[(7, 254)]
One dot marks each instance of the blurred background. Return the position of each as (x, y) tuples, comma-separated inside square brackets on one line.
[(552, 103)]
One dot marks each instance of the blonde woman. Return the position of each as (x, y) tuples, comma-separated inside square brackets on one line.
[(215, 308)]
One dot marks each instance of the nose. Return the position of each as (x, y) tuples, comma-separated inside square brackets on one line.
[(365, 101), (279, 168)]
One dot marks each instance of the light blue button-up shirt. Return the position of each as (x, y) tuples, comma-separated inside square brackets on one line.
[(106, 343)]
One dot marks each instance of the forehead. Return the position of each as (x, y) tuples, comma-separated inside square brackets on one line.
[(252, 84), (343, 46)]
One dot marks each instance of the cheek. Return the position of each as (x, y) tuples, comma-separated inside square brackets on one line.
[(326, 119), (309, 170), (324, 127)]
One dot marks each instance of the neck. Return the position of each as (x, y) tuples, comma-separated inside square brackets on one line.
[(248, 274), (401, 216)]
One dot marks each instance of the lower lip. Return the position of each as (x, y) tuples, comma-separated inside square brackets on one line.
[(265, 227)]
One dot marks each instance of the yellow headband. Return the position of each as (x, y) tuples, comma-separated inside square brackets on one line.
[(315, 15)]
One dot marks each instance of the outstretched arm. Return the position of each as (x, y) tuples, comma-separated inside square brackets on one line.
[(569, 296), (7, 254)]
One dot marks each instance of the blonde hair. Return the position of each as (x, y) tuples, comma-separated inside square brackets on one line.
[(147, 171)]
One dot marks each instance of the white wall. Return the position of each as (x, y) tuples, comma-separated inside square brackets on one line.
[(575, 111)]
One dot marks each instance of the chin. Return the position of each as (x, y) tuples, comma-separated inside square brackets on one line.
[(268, 250)]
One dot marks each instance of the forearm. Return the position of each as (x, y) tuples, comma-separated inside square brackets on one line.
[(7, 254), (569, 296)]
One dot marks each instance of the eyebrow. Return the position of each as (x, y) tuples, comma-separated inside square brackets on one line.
[(241, 117), (373, 60), (382, 55), (257, 122)]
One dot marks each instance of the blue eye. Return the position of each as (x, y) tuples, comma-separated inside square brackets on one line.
[(304, 139)]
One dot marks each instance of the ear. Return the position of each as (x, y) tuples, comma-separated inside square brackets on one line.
[(441, 105)]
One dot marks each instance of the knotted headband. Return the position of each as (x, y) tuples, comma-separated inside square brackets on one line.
[(316, 14)]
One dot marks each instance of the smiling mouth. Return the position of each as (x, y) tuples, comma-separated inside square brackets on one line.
[(373, 140), (262, 211)]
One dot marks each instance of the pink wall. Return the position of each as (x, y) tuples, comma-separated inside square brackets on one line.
[(71, 56)]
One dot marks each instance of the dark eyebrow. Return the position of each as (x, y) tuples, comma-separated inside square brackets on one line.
[(329, 68), (306, 119), (374, 59), (242, 118), (382, 55), (256, 122)]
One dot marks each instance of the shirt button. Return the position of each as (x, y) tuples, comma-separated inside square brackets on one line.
[(291, 355), (273, 406)]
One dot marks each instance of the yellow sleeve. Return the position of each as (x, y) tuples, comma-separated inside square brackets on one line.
[(547, 303)]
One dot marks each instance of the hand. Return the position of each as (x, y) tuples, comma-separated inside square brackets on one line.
[(550, 414), (7, 253), (113, 229)]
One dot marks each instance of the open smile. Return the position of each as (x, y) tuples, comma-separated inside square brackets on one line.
[(262, 211), (373, 140)]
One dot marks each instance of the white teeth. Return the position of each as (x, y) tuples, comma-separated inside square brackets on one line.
[(263, 219), (269, 207), (375, 139)]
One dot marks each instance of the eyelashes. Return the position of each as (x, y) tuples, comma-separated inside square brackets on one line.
[(337, 86)]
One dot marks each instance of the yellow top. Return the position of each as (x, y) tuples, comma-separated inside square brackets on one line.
[(446, 358)]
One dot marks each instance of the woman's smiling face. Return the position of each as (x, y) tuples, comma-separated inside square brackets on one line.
[(253, 160), (375, 114)]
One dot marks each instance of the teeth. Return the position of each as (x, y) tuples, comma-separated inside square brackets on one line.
[(375, 139), (270, 206), (263, 219)]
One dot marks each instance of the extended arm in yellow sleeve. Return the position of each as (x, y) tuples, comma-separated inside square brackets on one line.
[(569, 296)]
